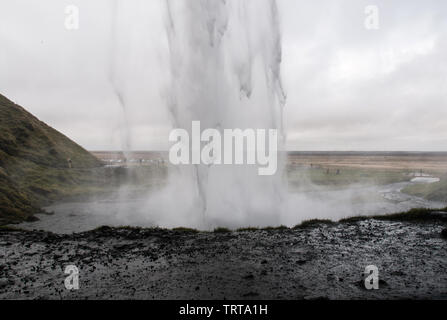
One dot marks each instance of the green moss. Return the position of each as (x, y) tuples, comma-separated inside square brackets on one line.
[(12, 229), (276, 228), (420, 215), (248, 229), (33, 164)]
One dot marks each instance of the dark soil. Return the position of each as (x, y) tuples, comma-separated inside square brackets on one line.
[(315, 261)]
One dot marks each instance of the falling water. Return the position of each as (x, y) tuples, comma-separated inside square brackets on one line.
[(113, 72), (225, 59), (217, 62)]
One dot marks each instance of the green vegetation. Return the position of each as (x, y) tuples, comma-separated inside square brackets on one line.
[(275, 228), (12, 229), (307, 179), (303, 179), (416, 215), (432, 191), (34, 166), (25, 137), (35, 170), (248, 229)]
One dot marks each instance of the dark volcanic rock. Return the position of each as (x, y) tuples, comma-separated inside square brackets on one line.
[(266, 264)]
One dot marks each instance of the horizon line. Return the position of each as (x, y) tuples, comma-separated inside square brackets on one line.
[(300, 151)]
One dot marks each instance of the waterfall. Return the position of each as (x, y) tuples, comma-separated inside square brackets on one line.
[(225, 68)]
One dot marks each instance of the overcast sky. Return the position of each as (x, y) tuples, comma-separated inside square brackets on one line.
[(348, 87)]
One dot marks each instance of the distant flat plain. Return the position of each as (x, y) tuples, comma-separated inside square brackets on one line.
[(425, 161)]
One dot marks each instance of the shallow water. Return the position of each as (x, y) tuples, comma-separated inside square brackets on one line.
[(425, 179), (123, 210)]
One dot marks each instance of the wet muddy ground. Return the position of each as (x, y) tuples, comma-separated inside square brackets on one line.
[(317, 262)]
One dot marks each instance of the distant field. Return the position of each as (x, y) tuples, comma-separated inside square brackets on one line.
[(370, 168), (337, 169), (305, 178), (412, 161), (135, 156)]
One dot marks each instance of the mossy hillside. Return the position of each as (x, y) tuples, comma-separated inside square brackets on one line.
[(25, 137), (33, 164), (14, 203)]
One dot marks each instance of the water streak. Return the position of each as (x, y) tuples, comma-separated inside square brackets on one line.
[(225, 62)]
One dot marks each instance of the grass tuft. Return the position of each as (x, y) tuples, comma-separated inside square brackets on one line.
[(419, 214), (276, 228), (248, 229)]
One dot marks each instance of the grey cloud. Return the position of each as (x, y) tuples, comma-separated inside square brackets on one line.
[(348, 88)]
